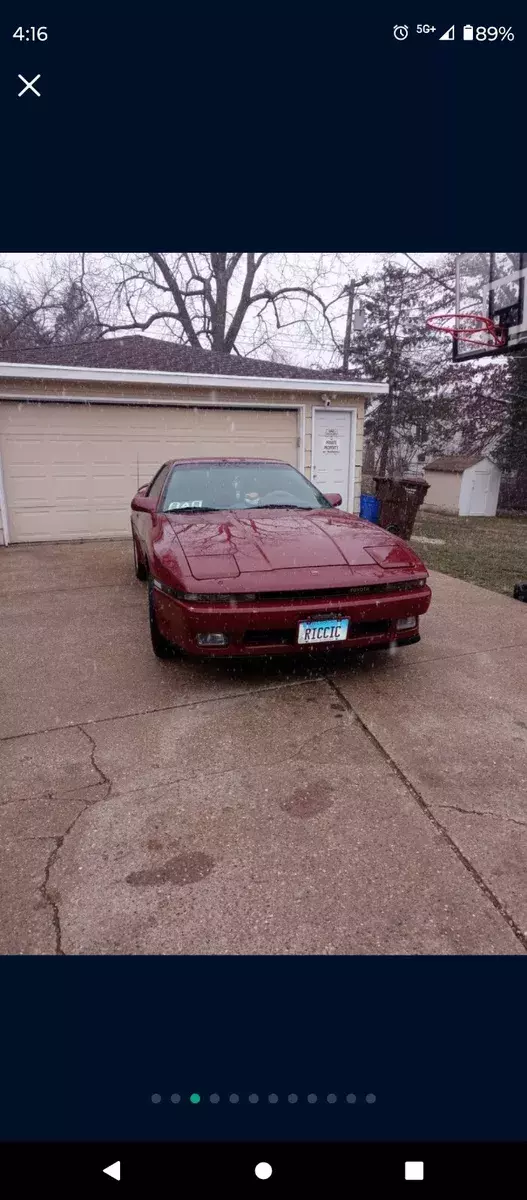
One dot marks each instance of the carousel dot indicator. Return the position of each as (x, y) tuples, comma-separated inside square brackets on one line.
[(263, 1170), (195, 1098)]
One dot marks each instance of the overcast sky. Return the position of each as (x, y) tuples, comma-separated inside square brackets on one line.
[(293, 344)]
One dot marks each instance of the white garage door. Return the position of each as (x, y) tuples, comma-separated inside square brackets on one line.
[(70, 470)]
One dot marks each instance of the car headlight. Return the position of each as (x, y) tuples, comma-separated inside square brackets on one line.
[(163, 587)]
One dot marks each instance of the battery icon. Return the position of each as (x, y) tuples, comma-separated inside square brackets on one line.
[(468, 33)]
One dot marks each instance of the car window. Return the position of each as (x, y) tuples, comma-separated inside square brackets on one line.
[(239, 486), (156, 486)]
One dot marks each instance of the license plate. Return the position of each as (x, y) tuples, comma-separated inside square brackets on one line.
[(316, 632)]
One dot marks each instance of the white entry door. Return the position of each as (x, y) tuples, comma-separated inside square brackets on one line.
[(479, 494), (331, 461)]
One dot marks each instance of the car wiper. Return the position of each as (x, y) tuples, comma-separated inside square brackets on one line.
[(302, 507), (202, 508)]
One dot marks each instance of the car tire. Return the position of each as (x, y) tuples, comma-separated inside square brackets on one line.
[(161, 646), (139, 566)]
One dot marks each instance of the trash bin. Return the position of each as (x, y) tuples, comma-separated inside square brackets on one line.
[(399, 501), (369, 508)]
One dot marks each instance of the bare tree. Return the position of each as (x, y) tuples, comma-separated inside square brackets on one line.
[(232, 303), (275, 306), (43, 306)]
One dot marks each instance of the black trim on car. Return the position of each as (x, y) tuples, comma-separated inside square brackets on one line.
[(345, 593)]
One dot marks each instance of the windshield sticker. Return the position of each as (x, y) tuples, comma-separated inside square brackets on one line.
[(185, 504)]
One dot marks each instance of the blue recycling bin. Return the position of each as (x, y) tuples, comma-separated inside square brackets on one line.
[(370, 507)]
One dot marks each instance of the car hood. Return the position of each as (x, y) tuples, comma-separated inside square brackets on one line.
[(228, 545)]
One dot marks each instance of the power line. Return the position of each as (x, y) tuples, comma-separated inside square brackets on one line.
[(425, 271)]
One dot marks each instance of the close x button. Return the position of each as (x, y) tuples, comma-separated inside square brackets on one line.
[(29, 85)]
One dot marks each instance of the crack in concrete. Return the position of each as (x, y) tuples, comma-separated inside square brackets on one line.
[(67, 798), (318, 733), (149, 712), (102, 777), (51, 900), (47, 895), (481, 812), (289, 756), (468, 865)]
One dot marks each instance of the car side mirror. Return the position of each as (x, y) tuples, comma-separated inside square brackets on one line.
[(334, 498), (143, 504)]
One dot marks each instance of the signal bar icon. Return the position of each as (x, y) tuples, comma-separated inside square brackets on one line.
[(449, 35)]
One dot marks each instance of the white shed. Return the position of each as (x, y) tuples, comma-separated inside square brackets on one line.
[(467, 485)]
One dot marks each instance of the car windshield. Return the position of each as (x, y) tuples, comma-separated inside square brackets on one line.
[(214, 487)]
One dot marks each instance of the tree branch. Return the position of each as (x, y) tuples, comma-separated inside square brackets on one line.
[(172, 283), (158, 316)]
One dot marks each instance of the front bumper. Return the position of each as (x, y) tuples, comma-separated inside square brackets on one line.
[(272, 628)]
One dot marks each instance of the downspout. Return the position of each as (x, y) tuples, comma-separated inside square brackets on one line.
[(3, 507)]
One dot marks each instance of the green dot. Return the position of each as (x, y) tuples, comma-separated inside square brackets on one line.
[(195, 1098)]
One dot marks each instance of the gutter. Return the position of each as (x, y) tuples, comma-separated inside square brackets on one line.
[(179, 379)]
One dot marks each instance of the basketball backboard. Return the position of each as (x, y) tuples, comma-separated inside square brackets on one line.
[(492, 284)]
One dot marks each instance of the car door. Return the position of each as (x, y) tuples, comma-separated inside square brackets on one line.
[(145, 520)]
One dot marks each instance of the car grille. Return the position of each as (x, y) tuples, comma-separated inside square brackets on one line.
[(342, 593)]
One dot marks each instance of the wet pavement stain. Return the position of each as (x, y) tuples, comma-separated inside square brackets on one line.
[(184, 869), (154, 844), (308, 801)]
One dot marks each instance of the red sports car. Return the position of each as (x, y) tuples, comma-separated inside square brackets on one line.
[(245, 556)]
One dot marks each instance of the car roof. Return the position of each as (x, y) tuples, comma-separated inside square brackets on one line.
[(175, 462)]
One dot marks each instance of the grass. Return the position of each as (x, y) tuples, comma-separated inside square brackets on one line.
[(489, 551)]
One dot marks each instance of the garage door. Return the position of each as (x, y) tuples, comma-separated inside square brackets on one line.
[(70, 470)]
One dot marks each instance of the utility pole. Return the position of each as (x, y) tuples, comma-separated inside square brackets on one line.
[(349, 325), (351, 288)]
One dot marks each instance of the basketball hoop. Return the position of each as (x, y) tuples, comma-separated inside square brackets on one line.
[(469, 327)]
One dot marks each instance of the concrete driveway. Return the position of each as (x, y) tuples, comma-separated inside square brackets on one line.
[(374, 807)]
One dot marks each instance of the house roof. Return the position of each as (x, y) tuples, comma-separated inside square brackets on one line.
[(455, 463), (140, 353)]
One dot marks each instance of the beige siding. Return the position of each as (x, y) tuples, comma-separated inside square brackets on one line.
[(444, 490), (188, 426)]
